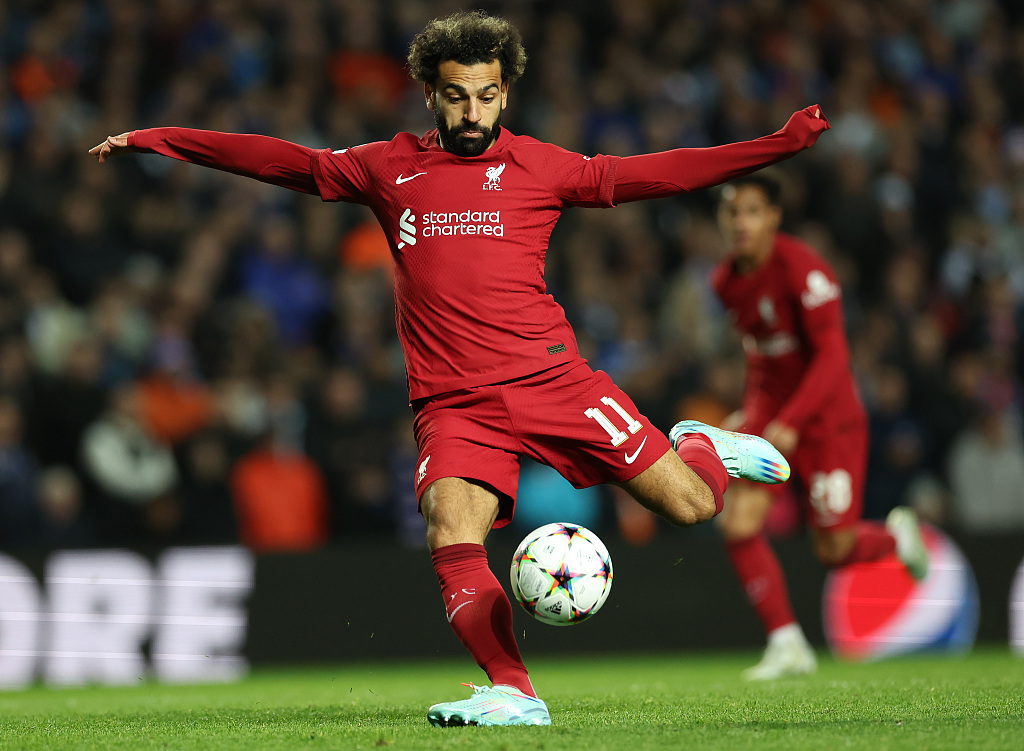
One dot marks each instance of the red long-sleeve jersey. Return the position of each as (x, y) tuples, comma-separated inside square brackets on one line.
[(469, 235), (789, 313)]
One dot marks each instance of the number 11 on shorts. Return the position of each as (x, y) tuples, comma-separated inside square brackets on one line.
[(617, 436)]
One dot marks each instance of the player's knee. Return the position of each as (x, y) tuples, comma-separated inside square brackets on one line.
[(705, 506), (696, 508), (831, 552), (456, 511)]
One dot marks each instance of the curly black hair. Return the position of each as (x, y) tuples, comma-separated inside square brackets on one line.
[(468, 38)]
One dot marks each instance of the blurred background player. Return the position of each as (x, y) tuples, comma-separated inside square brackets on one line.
[(800, 394)]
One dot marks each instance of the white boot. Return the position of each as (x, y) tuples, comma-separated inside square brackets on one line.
[(787, 654), (910, 548)]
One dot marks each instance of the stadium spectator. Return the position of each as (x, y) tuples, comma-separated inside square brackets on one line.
[(63, 519), (135, 474), (283, 280), (19, 470), (280, 498), (175, 402), (67, 403), (208, 514), (346, 442), (986, 469)]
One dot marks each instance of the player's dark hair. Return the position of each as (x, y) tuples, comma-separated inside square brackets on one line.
[(468, 38), (767, 183)]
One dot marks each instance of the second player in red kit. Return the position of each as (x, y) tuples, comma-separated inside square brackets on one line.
[(800, 394)]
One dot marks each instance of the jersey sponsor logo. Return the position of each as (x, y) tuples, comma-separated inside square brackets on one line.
[(402, 179), (775, 345), (820, 290), (453, 223), (494, 177), (422, 471), (630, 458), (407, 232)]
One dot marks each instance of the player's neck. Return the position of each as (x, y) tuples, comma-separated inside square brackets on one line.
[(746, 264)]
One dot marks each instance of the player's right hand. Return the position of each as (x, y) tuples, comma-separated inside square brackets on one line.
[(782, 437), (113, 146), (805, 125)]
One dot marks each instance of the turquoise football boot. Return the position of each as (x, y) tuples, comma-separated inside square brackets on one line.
[(747, 456), (501, 705)]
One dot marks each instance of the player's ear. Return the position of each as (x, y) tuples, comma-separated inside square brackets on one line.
[(428, 93), (504, 94)]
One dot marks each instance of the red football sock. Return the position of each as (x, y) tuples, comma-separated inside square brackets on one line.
[(760, 574), (698, 453), (873, 541), (480, 613)]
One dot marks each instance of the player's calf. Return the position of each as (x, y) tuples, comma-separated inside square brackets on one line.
[(681, 497)]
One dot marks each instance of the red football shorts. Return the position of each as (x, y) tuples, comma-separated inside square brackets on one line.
[(829, 468), (569, 417)]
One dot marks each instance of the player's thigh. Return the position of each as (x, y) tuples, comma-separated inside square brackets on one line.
[(458, 511), (584, 426), (746, 508), (587, 428), (466, 448), (672, 490), (832, 469)]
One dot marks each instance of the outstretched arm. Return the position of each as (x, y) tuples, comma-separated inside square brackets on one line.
[(269, 160), (670, 173), (829, 363)]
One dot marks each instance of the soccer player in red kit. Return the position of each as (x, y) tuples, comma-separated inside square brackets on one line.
[(800, 395), (493, 367)]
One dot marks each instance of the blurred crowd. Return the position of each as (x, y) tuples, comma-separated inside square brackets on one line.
[(189, 357)]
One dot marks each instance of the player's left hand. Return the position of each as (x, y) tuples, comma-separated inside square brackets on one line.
[(113, 146), (782, 437)]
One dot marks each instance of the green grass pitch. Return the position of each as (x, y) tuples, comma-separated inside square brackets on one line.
[(678, 701)]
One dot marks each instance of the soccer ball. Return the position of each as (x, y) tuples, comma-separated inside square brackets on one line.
[(561, 574)]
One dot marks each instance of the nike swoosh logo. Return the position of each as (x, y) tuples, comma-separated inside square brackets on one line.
[(632, 458), (399, 180), (460, 607)]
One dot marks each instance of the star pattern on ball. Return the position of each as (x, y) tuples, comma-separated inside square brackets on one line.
[(561, 573)]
